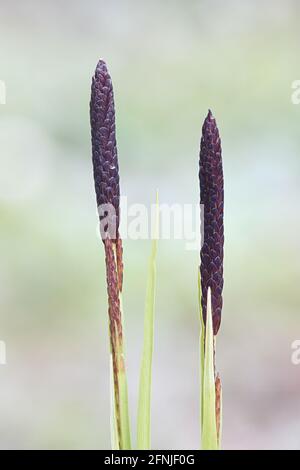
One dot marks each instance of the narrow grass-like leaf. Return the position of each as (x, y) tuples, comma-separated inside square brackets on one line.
[(209, 426), (123, 397), (113, 423), (144, 405), (221, 420), (202, 343), (219, 409)]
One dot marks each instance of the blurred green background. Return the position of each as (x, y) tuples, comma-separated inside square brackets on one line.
[(170, 61)]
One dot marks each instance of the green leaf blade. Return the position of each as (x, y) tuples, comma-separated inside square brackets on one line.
[(208, 399), (113, 422), (144, 404)]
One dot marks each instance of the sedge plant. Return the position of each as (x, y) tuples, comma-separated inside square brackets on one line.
[(106, 178), (107, 188), (210, 280)]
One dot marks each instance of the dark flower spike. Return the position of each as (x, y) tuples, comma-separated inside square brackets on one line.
[(105, 159), (104, 150), (212, 199), (106, 179)]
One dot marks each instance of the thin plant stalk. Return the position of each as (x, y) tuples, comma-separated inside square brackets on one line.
[(144, 404), (106, 179), (209, 431)]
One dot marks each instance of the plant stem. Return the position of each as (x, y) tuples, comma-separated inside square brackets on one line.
[(120, 419), (144, 405), (210, 386)]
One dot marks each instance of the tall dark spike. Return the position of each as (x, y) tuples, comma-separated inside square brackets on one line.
[(104, 149), (212, 198)]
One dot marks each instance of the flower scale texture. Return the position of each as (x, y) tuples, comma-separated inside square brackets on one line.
[(212, 200), (104, 151)]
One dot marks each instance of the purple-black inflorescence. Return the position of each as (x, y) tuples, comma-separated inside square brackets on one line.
[(104, 150), (212, 200)]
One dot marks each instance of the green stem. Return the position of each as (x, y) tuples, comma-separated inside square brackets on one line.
[(144, 405), (209, 433)]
